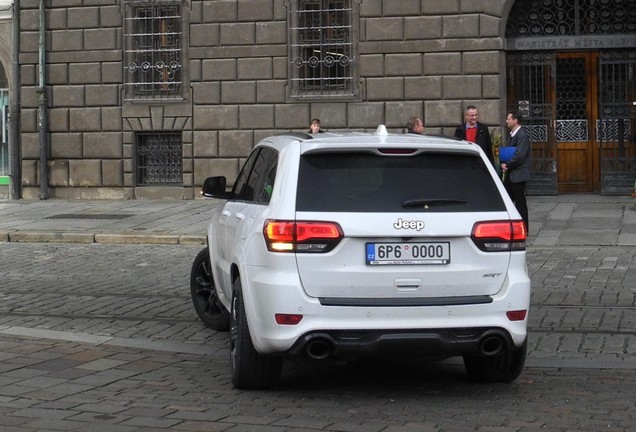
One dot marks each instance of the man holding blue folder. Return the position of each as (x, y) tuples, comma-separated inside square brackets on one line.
[(517, 169)]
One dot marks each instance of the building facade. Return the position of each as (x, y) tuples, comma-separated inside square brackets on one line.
[(147, 98)]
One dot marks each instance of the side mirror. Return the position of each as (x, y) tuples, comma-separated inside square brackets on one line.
[(214, 187)]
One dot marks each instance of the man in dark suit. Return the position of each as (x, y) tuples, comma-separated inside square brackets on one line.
[(475, 132), (517, 169)]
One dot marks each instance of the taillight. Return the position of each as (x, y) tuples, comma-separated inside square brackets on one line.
[(301, 236), (500, 236)]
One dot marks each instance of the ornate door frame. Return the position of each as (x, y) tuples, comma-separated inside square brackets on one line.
[(537, 32)]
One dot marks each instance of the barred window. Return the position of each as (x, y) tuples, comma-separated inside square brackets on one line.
[(153, 65), (159, 159), (571, 17), (322, 59)]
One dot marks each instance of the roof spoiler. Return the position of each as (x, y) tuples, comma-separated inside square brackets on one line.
[(299, 135)]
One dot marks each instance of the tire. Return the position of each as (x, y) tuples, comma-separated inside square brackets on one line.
[(502, 368), (204, 295), (250, 370)]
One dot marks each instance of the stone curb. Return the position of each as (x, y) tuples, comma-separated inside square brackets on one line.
[(161, 345), (136, 238), (50, 237), (105, 238)]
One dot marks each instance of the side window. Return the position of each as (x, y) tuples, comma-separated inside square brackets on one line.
[(256, 180), (241, 190), (263, 175), (268, 186)]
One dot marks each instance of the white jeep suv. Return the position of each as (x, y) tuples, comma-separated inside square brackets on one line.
[(344, 245)]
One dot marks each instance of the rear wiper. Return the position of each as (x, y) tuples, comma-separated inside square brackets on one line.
[(426, 203)]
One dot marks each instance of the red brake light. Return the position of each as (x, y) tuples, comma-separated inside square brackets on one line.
[(316, 230), (397, 151), (519, 232), (495, 236), (301, 236)]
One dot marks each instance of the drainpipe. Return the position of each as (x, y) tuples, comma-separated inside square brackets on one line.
[(42, 123), (15, 190)]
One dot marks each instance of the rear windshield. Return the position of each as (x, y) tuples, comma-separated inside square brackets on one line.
[(364, 182)]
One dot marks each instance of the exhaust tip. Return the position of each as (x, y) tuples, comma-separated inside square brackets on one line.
[(492, 345), (318, 349)]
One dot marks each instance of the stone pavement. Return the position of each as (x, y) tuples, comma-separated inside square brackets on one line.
[(580, 244), (144, 363), (118, 221), (564, 220)]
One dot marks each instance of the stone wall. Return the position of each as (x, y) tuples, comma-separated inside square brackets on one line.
[(428, 58)]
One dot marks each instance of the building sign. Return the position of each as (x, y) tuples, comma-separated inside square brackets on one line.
[(571, 43)]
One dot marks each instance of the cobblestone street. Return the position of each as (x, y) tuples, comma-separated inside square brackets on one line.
[(103, 337)]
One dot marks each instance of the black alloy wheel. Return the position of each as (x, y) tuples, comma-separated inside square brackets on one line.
[(204, 295)]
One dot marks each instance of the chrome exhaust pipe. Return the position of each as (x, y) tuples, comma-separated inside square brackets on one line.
[(318, 349)]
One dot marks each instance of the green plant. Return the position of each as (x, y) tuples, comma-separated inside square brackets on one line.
[(496, 143)]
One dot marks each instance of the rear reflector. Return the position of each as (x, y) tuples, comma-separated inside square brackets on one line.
[(288, 319), (518, 315)]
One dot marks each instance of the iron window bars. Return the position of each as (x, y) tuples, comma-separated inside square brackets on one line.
[(153, 50), (159, 159), (321, 48)]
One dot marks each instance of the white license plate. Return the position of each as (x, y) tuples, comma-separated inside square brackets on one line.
[(408, 253)]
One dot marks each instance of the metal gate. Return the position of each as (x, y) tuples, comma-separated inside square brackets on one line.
[(582, 123), (571, 71), (616, 125), (530, 89)]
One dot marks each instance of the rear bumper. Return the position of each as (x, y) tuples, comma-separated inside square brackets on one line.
[(433, 344), (346, 326)]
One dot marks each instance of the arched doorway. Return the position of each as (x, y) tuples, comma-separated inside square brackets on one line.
[(571, 70)]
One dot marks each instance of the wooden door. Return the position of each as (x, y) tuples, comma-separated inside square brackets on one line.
[(576, 101)]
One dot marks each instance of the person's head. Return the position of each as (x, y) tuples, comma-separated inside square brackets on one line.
[(315, 126), (471, 115), (415, 125), (513, 119)]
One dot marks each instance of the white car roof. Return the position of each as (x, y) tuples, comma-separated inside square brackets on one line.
[(334, 141)]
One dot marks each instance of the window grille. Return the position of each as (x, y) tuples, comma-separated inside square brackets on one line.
[(321, 56), (572, 17), (159, 159), (153, 50)]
